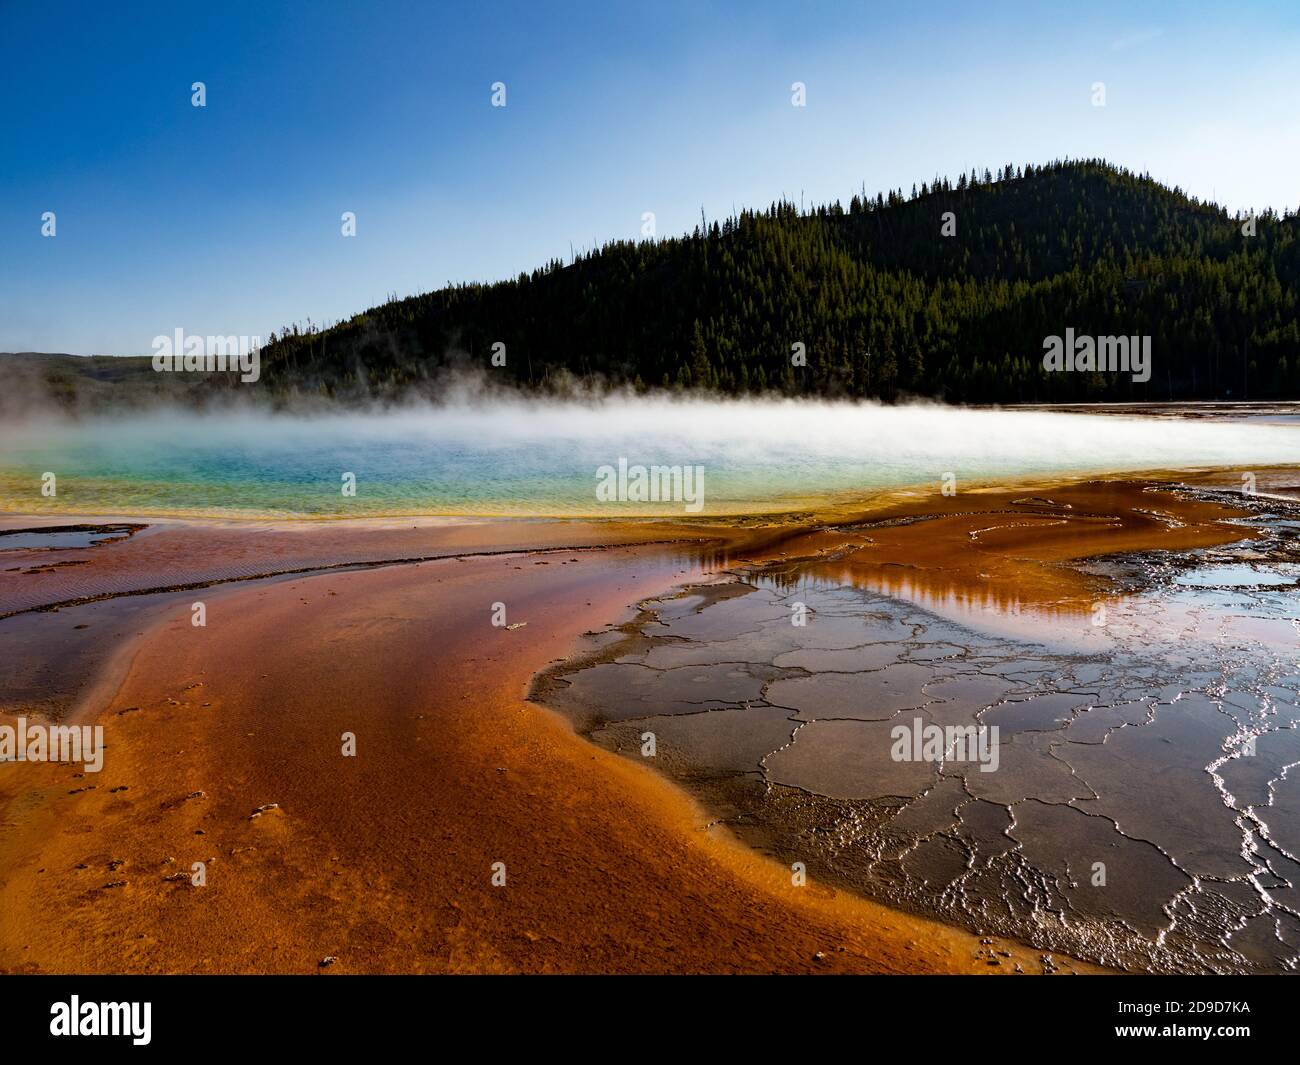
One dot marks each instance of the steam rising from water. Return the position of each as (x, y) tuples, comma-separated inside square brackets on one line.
[(515, 456)]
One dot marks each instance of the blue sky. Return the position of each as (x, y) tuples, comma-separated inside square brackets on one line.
[(226, 219)]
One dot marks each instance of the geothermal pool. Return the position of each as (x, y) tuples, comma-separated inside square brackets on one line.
[(541, 459)]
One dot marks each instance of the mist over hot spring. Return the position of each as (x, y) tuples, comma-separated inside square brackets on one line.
[(511, 455)]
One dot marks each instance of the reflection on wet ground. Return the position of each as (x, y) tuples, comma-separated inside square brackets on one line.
[(1143, 808), (62, 537)]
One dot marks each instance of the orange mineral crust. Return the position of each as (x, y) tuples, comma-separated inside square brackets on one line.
[(384, 861), (225, 746)]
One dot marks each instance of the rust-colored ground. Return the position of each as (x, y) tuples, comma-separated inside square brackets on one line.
[(384, 861)]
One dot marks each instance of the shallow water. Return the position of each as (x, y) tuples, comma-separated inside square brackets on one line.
[(531, 458), (22, 541), (1238, 576), (1142, 808)]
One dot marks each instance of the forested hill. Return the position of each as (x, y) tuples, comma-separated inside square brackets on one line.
[(884, 303)]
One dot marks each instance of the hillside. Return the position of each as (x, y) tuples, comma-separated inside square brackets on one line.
[(31, 380), (885, 305)]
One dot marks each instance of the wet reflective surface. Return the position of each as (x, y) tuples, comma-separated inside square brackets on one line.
[(1143, 807)]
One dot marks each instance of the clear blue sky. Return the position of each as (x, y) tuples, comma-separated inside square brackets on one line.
[(225, 219)]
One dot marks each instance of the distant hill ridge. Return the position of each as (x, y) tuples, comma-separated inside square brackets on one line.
[(884, 303)]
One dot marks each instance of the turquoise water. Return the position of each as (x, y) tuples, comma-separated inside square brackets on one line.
[(541, 459)]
